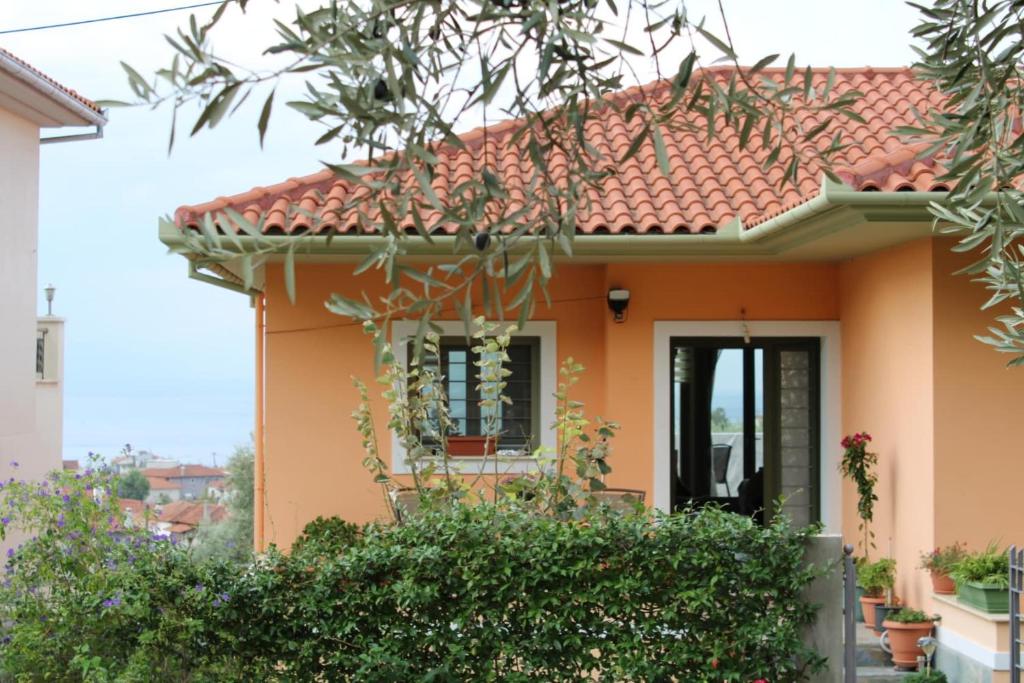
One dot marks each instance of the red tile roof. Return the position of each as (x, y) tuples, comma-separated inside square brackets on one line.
[(712, 182), (163, 484), (184, 471), (191, 513), (7, 56)]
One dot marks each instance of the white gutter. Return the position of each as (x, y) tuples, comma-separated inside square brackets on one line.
[(33, 79), (98, 134)]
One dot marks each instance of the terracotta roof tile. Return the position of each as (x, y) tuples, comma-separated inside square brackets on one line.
[(184, 471), (162, 484), (191, 513), (712, 182), (39, 74)]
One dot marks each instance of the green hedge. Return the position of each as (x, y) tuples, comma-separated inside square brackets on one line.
[(467, 594), (479, 594)]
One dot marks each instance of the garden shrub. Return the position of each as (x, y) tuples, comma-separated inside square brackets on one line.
[(90, 598), (481, 593), (469, 593)]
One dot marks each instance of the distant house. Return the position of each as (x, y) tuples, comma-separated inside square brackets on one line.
[(136, 512), (162, 489), (217, 490), (70, 465), (182, 517), (191, 481)]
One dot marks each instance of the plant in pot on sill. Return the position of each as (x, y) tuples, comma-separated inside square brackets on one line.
[(983, 581), (858, 466), (905, 628), (877, 580), (562, 483), (938, 564)]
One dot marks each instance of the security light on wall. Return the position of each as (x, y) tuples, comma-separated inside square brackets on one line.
[(618, 302)]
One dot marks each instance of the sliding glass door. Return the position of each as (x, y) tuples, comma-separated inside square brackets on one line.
[(745, 425)]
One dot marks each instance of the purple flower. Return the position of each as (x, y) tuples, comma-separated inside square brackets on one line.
[(60, 521), (198, 588), (5, 521), (224, 597), (10, 552), (14, 463), (66, 498), (111, 602)]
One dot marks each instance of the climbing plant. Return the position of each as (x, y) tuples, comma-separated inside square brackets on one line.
[(858, 466)]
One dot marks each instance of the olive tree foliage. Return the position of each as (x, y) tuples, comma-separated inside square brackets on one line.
[(972, 51), (391, 79)]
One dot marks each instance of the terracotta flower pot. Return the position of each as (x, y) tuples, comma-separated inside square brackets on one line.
[(470, 446), (903, 641), (867, 604), (942, 584)]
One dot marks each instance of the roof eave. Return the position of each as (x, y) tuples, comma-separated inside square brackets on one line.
[(835, 208), (65, 109)]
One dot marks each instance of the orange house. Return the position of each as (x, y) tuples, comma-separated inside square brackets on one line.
[(762, 324)]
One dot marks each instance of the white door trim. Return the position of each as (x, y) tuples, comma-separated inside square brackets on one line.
[(831, 408)]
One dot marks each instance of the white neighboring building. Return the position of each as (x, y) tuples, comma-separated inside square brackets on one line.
[(31, 371)]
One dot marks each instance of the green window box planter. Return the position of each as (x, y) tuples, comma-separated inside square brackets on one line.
[(991, 599)]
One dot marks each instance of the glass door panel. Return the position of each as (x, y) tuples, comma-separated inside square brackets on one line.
[(744, 425)]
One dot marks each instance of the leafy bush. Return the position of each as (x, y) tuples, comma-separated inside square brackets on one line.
[(876, 577), (564, 479), (90, 598), (990, 567), (932, 676), (325, 538), (483, 593), (470, 593), (941, 560)]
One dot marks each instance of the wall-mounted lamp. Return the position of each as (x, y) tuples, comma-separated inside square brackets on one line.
[(49, 290), (618, 302)]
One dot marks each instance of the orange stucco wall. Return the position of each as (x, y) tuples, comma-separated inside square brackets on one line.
[(313, 455), (979, 457), (942, 407), (886, 326)]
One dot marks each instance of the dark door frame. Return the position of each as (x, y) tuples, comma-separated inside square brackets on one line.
[(772, 408)]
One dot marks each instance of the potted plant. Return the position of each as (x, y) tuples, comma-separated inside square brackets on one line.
[(470, 446), (931, 676), (877, 580), (905, 628), (857, 465), (983, 581), (938, 563)]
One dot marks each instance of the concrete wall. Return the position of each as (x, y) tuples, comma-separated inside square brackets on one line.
[(50, 395), (313, 453), (886, 318), (19, 200)]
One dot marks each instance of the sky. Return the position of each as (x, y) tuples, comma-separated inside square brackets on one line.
[(165, 363)]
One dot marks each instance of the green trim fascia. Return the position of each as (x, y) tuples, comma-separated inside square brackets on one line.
[(222, 282), (836, 207)]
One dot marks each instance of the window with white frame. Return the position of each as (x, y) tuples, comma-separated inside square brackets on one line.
[(514, 425), (523, 426)]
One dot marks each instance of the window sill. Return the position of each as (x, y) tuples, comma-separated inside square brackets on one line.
[(478, 464)]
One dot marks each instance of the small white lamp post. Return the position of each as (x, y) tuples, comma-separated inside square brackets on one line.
[(50, 289)]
